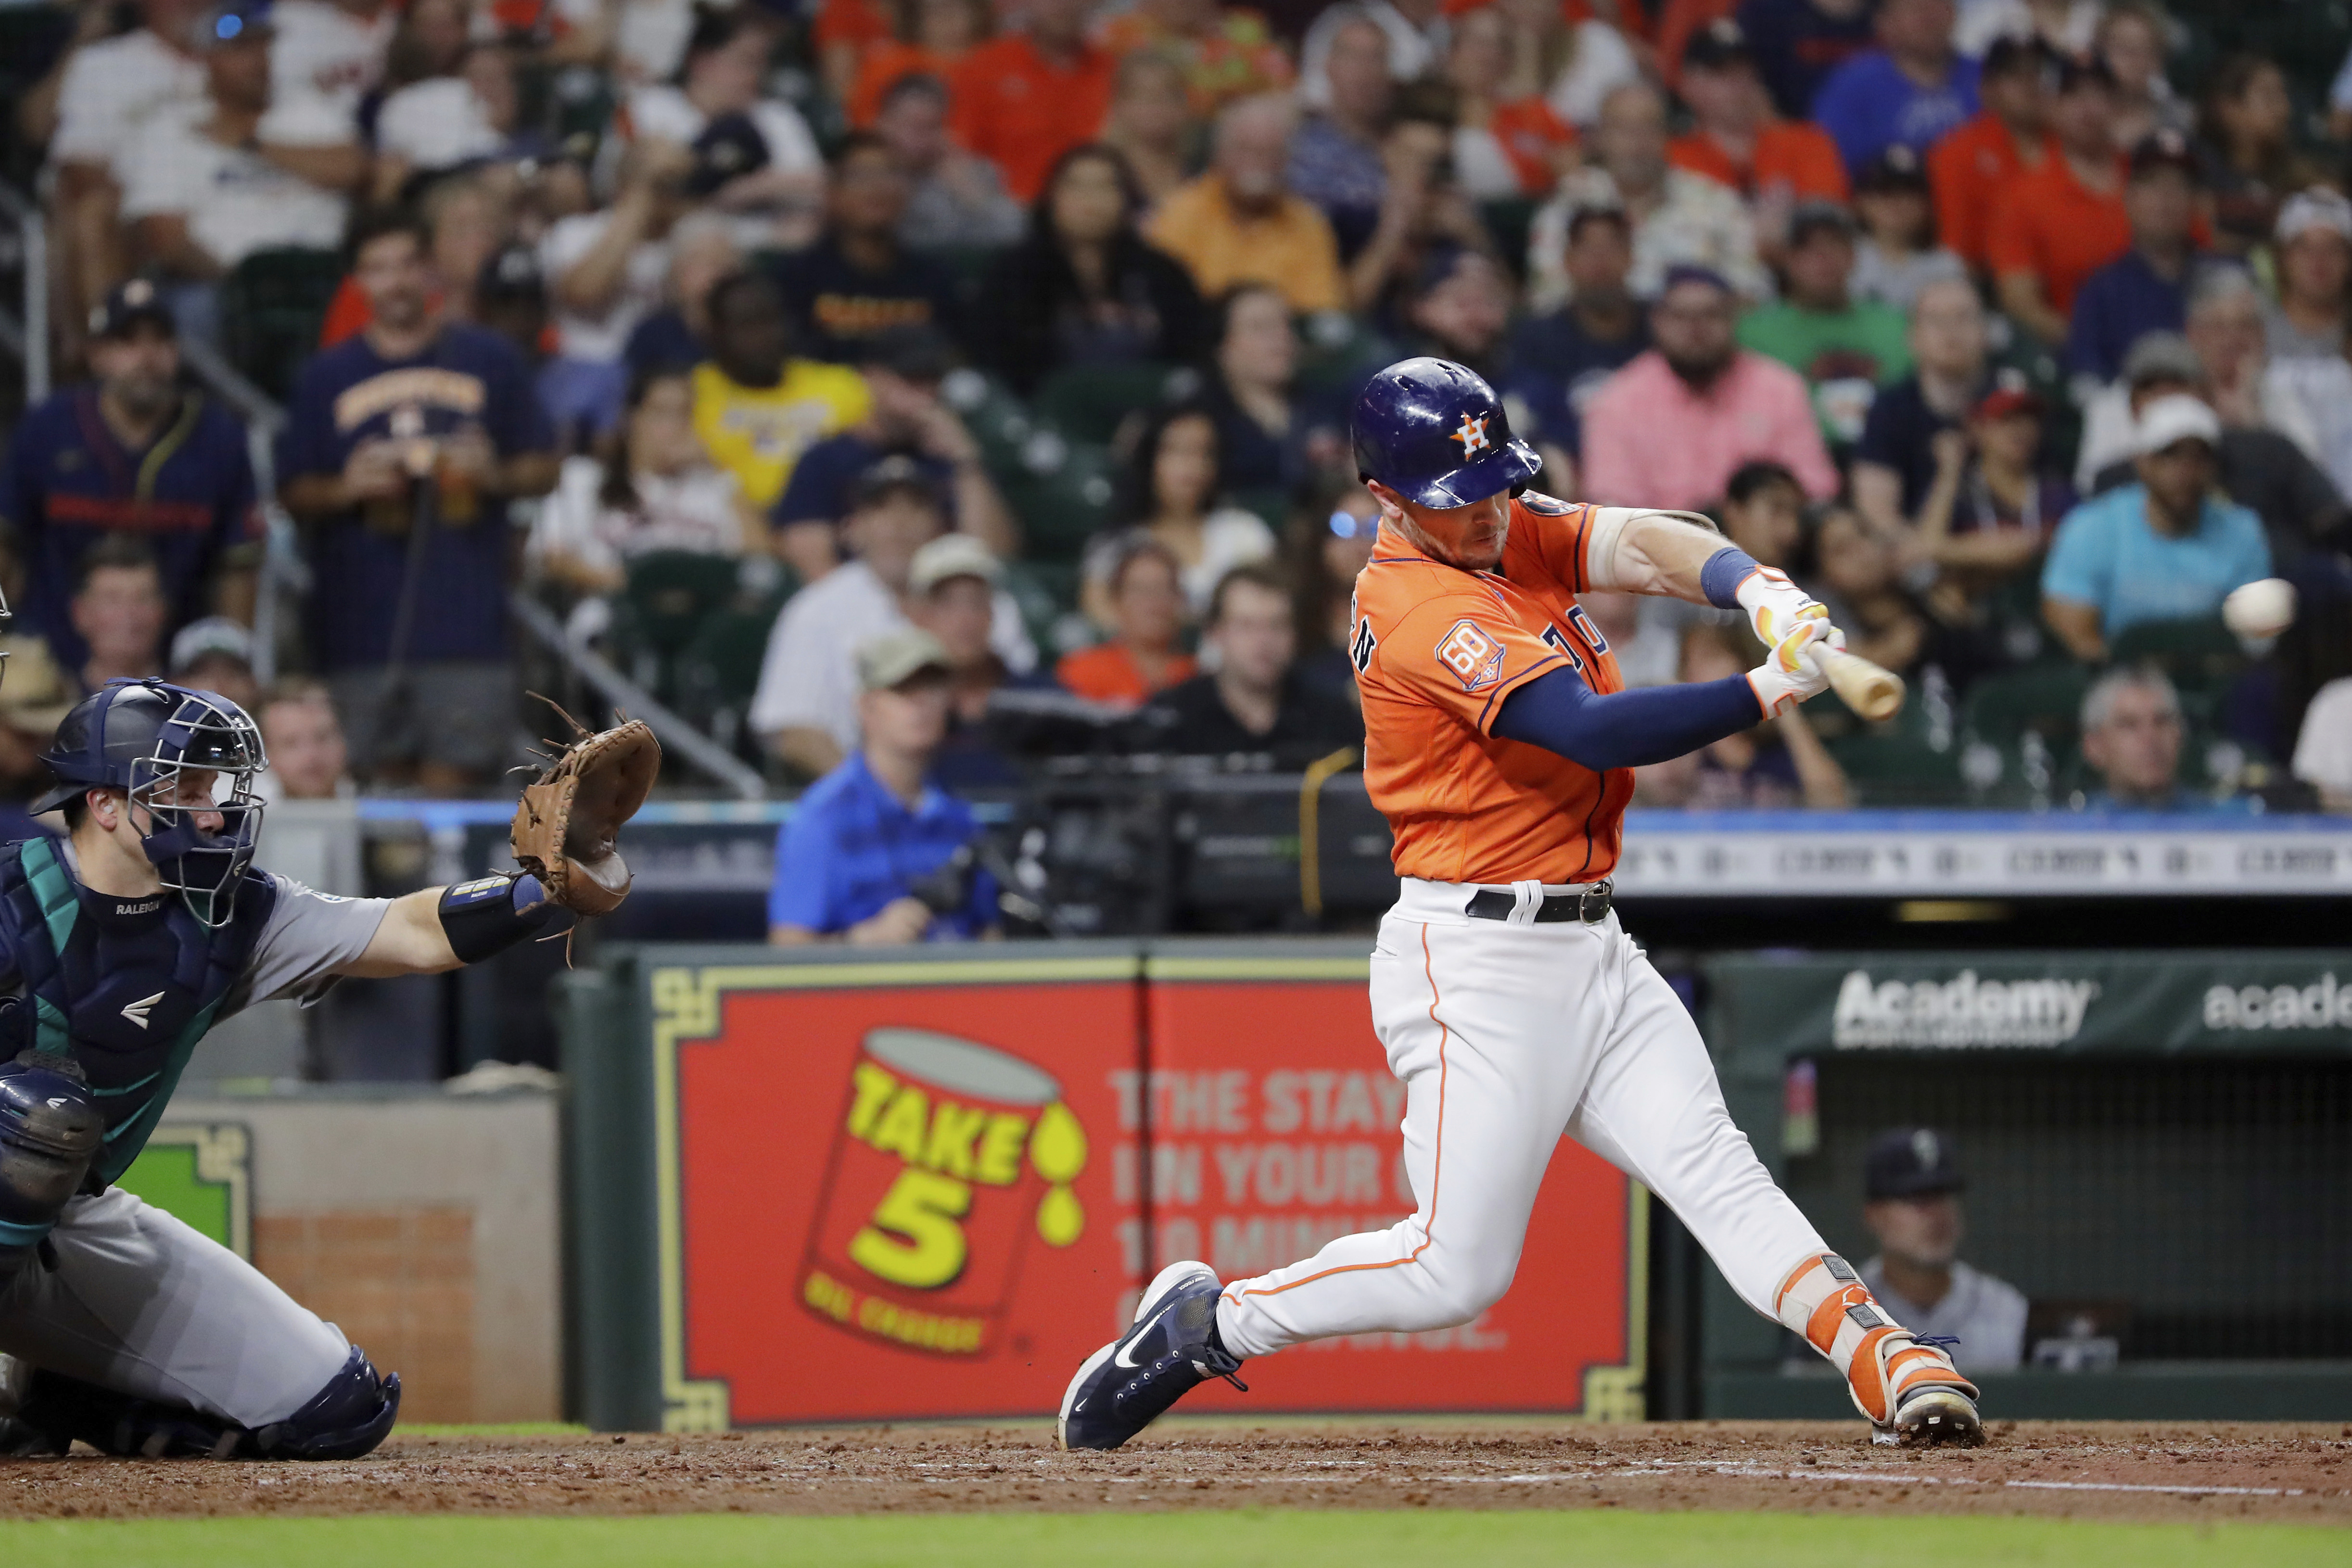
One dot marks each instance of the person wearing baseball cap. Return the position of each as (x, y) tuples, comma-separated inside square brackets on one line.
[(2058, 223), (1911, 1203), (878, 852), (2315, 263), (1734, 138), (136, 451), (1846, 348), (1990, 513), (951, 593), (2167, 548), (1897, 253), (2144, 290)]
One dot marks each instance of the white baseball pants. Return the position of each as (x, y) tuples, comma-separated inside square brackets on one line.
[(1507, 1034)]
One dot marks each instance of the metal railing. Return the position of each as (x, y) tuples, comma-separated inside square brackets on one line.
[(27, 335), (284, 572)]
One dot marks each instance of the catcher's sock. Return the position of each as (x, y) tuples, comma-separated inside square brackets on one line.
[(1883, 1361)]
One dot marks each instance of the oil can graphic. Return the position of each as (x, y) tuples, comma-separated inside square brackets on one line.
[(948, 1155)]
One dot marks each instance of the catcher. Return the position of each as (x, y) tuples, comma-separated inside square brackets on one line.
[(120, 947)]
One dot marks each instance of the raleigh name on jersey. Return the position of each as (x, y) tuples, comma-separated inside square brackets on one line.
[(1436, 650)]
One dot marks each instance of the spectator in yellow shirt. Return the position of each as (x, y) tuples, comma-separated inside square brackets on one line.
[(756, 407), (1239, 223)]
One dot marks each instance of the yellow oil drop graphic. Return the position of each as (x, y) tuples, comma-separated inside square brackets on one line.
[(1057, 1148), (1057, 1152), (1060, 1217)]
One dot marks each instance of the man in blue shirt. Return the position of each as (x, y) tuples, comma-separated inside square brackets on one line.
[(2144, 290), (1560, 359), (401, 448), (1913, 88), (1798, 43), (2131, 738), (2167, 548), (903, 370), (134, 453), (875, 852)]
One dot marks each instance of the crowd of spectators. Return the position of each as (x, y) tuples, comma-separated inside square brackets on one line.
[(2006, 328)]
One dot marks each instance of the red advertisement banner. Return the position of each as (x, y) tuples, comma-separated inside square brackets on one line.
[(910, 1189)]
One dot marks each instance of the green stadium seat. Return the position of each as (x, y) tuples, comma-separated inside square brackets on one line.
[(2199, 654), (1064, 507), (1089, 401), (2046, 699), (998, 419), (271, 307), (1897, 763), (1269, 502), (1047, 594)]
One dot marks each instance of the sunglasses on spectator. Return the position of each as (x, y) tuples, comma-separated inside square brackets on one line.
[(1347, 525)]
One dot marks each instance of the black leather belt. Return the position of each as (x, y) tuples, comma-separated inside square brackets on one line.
[(1586, 906)]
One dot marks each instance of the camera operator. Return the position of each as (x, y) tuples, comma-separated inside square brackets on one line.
[(876, 851), (1254, 702)]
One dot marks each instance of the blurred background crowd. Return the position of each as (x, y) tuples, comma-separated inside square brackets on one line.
[(848, 374)]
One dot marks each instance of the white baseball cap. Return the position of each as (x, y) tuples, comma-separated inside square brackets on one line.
[(2317, 207), (952, 555), (2175, 417)]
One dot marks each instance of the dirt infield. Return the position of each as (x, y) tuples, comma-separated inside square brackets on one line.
[(2281, 1474)]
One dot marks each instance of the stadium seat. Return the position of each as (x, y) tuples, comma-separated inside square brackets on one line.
[(1269, 502), (1066, 504), (271, 307), (998, 420), (2046, 699), (2199, 655), (1047, 592), (1089, 401), (716, 674), (1897, 763)]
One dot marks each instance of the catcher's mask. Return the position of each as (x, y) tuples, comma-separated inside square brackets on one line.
[(183, 757)]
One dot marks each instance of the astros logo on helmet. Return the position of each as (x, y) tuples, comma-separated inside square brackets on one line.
[(1472, 434)]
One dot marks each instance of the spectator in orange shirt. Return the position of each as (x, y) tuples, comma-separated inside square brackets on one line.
[(1026, 99), (931, 37), (1239, 222), (1142, 659), (2009, 137), (1502, 147), (1737, 141), (2058, 225), (844, 31), (1225, 51)]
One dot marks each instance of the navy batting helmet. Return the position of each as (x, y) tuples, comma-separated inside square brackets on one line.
[(140, 736), (1435, 433)]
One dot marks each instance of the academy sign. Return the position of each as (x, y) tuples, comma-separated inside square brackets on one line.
[(1961, 1012), (2322, 1004)]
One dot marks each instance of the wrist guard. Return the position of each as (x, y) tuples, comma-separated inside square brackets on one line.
[(491, 914)]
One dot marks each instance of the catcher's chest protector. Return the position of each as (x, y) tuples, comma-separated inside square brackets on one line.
[(126, 987)]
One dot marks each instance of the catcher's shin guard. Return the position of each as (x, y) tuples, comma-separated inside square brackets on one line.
[(1901, 1385)]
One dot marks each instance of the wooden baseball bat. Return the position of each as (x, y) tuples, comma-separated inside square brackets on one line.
[(1869, 690)]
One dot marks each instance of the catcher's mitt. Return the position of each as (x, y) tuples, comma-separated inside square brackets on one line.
[(567, 827)]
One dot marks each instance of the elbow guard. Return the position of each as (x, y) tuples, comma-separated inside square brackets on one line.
[(493, 914)]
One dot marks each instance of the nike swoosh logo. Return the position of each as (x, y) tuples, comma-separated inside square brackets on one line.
[(1119, 1357), (137, 1011)]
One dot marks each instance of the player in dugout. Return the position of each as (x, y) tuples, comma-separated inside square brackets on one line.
[(121, 945), (1500, 745)]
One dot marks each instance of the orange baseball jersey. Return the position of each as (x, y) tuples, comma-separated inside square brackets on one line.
[(1436, 649)]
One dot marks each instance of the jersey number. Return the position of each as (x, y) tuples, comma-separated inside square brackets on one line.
[(1561, 645), (1361, 646), (1586, 629)]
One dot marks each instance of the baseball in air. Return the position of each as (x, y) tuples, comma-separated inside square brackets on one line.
[(2260, 609)]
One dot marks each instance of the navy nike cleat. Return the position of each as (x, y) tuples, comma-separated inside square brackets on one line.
[(1126, 1385)]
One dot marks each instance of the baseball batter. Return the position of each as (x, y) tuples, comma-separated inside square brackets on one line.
[(120, 947), (1500, 744)]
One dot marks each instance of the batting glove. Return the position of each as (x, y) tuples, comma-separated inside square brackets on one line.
[(1775, 605), (1788, 674)]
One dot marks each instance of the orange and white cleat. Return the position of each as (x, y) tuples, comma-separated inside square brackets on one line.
[(1908, 1389)]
